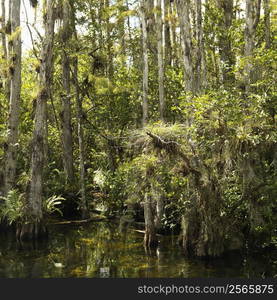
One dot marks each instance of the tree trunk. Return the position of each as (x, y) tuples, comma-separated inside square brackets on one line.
[(225, 45), (109, 43), (150, 238), (145, 64), (3, 29), (81, 141), (159, 211), (160, 48), (35, 228), (185, 242), (250, 181), (66, 103), (267, 23), (166, 34), (84, 205), (6, 81), (14, 109), (172, 32), (200, 53), (252, 19), (185, 29)]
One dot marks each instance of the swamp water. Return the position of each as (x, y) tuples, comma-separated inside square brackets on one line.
[(102, 250)]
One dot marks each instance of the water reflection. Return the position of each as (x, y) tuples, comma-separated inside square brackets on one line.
[(102, 250)]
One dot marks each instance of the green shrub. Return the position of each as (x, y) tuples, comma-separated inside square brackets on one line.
[(12, 208)]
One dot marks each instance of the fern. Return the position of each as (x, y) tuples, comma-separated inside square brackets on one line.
[(12, 207), (52, 203)]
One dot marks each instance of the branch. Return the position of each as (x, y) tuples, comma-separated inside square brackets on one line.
[(159, 142), (173, 147)]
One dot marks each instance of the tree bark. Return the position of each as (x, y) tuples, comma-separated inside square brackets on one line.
[(172, 32), (267, 23), (185, 29), (200, 80), (160, 48), (14, 109), (3, 27), (252, 19), (81, 141), (66, 101), (109, 43), (159, 209), (6, 81), (84, 205), (166, 34), (34, 213), (145, 63), (150, 238), (225, 45)]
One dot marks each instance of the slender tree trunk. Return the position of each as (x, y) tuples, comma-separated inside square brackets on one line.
[(160, 42), (128, 22), (109, 43), (3, 29), (172, 30), (267, 23), (84, 206), (6, 77), (150, 238), (166, 33), (185, 234), (145, 64), (8, 25), (251, 19), (185, 28), (122, 33), (35, 229), (14, 109), (159, 208), (66, 101), (200, 52), (81, 140), (225, 45)]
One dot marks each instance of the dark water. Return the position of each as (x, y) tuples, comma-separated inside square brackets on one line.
[(101, 250)]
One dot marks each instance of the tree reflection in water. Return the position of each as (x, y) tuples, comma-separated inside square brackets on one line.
[(102, 250)]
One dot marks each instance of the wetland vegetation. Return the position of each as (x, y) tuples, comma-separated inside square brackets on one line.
[(138, 138)]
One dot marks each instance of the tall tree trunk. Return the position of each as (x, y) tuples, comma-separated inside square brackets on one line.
[(172, 31), (160, 48), (267, 23), (225, 45), (35, 229), (150, 238), (185, 28), (200, 52), (6, 78), (251, 19), (145, 63), (14, 109), (66, 101), (109, 42), (166, 33), (159, 207), (81, 140), (122, 32), (84, 206), (3, 29)]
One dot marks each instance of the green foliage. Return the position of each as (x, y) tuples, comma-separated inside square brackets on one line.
[(12, 207), (227, 133), (51, 205)]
